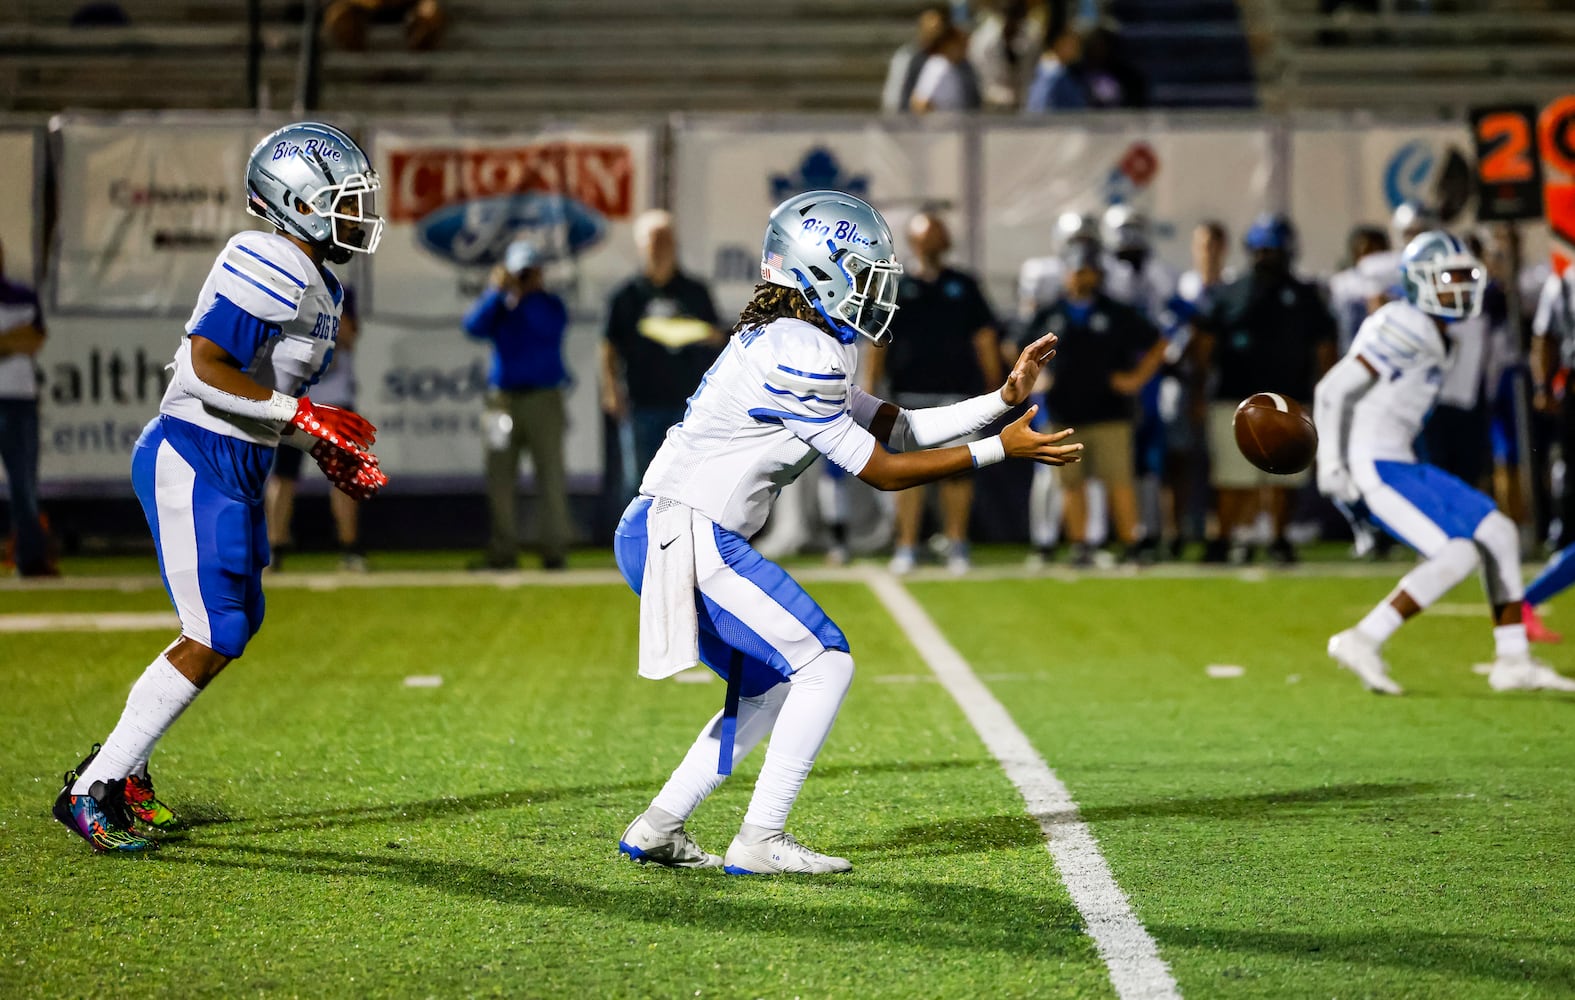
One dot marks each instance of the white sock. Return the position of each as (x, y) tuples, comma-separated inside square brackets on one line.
[(1509, 641), (158, 698), (696, 776), (814, 696), (1380, 624)]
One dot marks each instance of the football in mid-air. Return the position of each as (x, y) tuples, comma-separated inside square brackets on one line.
[(1275, 433)]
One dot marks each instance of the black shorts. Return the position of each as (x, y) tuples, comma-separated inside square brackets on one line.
[(287, 462)]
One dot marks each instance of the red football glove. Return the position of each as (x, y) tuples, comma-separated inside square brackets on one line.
[(354, 473), (339, 427)]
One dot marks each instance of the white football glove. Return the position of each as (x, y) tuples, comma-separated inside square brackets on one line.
[(1335, 482)]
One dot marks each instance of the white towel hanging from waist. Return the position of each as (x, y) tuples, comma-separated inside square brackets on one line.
[(669, 623)]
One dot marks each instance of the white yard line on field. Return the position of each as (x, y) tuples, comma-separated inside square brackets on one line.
[(119, 621), (406, 579), (1136, 970)]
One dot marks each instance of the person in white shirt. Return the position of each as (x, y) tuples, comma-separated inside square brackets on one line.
[(781, 395), (1369, 409), (946, 81)]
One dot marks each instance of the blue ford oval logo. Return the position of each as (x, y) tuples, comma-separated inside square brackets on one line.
[(475, 233)]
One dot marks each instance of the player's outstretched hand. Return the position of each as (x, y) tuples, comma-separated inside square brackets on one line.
[(1022, 441), (1026, 372), (339, 427), (355, 473)]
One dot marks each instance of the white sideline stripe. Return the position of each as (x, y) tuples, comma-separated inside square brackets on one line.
[(1136, 970), (441, 578), (128, 621)]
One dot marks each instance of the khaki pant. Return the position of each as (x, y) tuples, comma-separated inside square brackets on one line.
[(1107, 455), (533, 419)]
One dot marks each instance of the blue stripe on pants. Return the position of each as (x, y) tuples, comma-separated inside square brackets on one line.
[(721, 632)]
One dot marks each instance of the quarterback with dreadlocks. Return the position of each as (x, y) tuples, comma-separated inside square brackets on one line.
[(262, 332), (782, 394)]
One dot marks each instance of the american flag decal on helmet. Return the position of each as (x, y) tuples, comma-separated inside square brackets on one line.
[(774, 260)]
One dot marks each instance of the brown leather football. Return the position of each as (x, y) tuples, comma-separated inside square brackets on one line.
[(1275, 433)]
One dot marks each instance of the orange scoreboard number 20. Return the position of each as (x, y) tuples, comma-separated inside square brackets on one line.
[(1509, 170)]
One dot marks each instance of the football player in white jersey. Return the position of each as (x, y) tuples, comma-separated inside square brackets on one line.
[(782, 394), (262, 332), (1369, 409)]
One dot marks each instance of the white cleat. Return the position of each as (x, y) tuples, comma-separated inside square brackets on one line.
[(1356, 653), (646, 844), (1522, 673), (780, 855), (903, 562)]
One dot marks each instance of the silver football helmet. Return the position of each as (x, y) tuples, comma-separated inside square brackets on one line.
[(1076, 225), (1126, 229), (307, 179), (1411, 219), (1436, 264), (839, 253)]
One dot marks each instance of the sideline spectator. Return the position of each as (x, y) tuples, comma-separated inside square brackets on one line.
[(347, 22), (337, 387), (903, 71), (525, 324), (1106, 353), (944, 348), (21, 337), (947, 81), (661, 338), (1004, 47), (1353, 290), (1058, 83), (1182, 403), (1265, 332), (1456, 436), (1552, 357)]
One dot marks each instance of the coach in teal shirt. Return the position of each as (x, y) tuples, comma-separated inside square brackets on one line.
[(525, 324)]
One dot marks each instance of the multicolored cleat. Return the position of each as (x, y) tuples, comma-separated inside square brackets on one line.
[(144, 805), (98, 817)]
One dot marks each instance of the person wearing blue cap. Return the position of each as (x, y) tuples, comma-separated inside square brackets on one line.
[(1267, 331), (525, 325)]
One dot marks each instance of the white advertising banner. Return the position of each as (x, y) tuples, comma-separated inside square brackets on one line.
[(1178, 176), (728, 176), (145, 207), (452, 202), (103, 379), (1342, 176), (423, 386), (18, 198)]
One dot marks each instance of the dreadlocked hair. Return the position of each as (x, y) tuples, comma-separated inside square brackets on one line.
[(776, 302)]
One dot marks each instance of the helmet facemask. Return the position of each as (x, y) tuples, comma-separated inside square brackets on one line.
[(871, 301), (1460, 277), (349, 202)]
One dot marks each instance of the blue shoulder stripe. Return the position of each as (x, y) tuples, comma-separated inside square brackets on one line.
[(259, 285), (779, 416), (252, 253), (833, 377), (802, 399)]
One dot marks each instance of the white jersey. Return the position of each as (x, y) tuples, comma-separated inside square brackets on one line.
[(268, 278), (776, 398), (1412, 358), (1351, 291)]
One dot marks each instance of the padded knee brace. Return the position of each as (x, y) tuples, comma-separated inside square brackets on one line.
[(1441, 573), (1498, 540)]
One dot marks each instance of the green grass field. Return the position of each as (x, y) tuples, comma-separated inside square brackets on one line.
[(1281, 833)]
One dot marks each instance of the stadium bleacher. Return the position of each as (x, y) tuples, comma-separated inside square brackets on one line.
[(1468, 52), (541, 56)]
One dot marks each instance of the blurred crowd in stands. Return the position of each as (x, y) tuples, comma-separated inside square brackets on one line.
[(1035, 56)]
